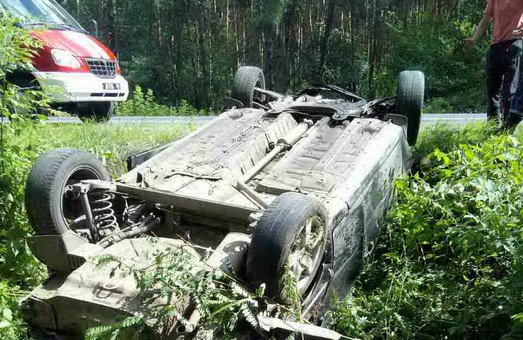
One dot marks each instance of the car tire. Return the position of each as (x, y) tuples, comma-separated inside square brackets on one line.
[(100, 112), (275, 240), (245, 80), (45, 189), (409, 101)]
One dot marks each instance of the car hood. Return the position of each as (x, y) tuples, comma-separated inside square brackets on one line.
[(79, 44)]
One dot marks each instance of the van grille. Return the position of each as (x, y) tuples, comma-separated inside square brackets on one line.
[(103, 68)]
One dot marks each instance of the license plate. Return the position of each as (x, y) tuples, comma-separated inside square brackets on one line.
[(111, 86)]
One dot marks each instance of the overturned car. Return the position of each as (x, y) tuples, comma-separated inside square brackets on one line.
[(276, 184)]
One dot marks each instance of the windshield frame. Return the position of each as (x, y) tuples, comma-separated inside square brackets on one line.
[(51, 15)]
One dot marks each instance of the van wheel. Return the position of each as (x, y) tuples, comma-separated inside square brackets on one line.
[(246, 79), (289, 240), (409, 101), (49, 208), (100, 112)]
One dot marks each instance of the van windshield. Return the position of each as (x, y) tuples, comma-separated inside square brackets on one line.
[(41, 13)]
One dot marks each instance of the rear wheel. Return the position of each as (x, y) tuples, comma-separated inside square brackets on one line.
[(49, 209), (289, 241), (246, 79), (409, 102), (100, 112)]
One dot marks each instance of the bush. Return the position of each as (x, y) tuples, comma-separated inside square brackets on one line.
[(145, 104), (221, 302), (449, 266), (438, 105), (446, 137), (18, 268)]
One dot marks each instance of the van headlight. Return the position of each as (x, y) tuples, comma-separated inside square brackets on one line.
[(65, 58)]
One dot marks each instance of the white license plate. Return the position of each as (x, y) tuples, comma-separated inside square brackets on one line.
[(111, 86)]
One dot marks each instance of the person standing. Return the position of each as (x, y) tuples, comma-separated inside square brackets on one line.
[(504, 55)]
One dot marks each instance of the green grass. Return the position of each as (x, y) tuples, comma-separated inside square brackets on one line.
[(112, 143), (446, 136), (143, 103)]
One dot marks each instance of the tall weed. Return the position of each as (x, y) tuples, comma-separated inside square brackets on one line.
[(18, 268)]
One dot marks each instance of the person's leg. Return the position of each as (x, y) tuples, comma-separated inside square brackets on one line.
[(494, 72), (511, 77), (516, 108)]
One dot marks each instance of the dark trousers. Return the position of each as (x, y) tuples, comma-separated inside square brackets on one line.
[(516, 109), (502, 68)]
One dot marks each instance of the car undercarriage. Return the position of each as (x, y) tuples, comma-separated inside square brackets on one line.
[(276, 184)]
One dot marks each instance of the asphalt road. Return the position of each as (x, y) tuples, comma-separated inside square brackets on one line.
[(446, 118), (453, 118)]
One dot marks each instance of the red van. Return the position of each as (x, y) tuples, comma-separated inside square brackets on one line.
[(77, 71)]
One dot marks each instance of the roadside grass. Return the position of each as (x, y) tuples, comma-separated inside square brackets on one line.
[(455, 104), (112, 143), (143, 102), (444, 136)]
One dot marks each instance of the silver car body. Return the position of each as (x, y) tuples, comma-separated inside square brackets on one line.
[(215, 182)]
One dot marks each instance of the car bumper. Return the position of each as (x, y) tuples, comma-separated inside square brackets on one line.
[(81, 87)]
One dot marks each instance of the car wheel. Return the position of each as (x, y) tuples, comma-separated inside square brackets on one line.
[(247, 78), (409, 102), (290, 238), (99, 112), (49, 207)]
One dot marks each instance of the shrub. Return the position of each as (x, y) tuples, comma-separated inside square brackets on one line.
[(18, 268), (145, 104), (438, 105), (449, 266), (177, 277)]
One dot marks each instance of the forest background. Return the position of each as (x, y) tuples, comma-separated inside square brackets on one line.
[(186, 51)]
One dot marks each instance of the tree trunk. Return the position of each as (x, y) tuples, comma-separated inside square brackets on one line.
[(324, 49)]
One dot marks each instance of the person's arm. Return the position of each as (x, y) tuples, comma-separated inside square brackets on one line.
[(480, 32), (518, 33)]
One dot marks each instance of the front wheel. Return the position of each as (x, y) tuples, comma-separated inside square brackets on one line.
[(289, 243), (49, 209), (409, 102), (100, 112)]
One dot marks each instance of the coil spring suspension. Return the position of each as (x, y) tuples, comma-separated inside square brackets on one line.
[(103, 213)]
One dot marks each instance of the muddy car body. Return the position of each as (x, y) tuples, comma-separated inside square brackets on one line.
[(299, 182)]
